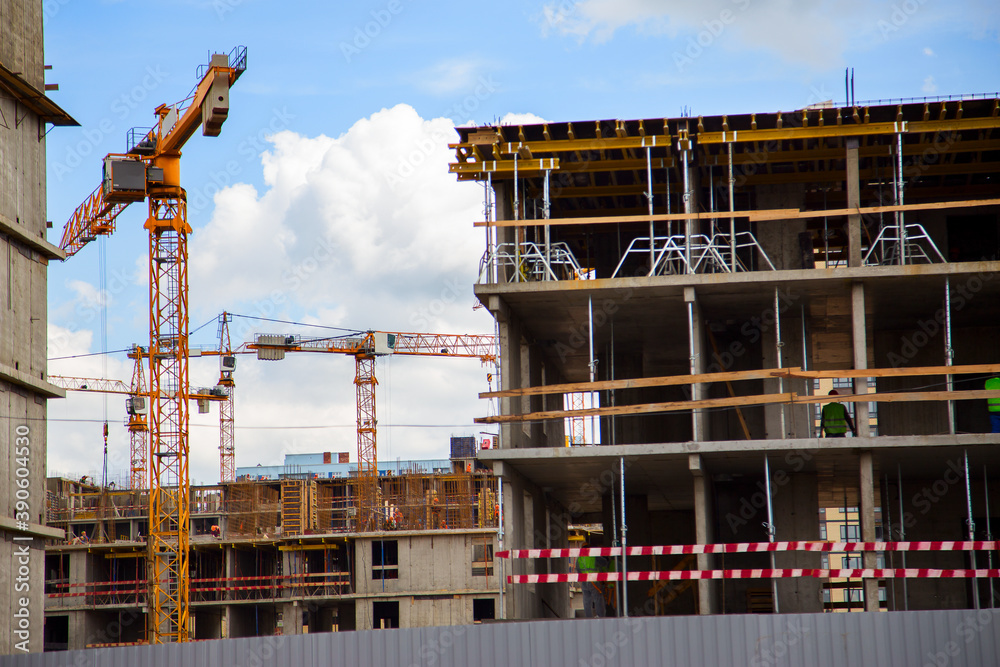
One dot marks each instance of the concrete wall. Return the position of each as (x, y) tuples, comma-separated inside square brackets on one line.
[(437, 568), (22, 325), (426, 612), (427, 562)]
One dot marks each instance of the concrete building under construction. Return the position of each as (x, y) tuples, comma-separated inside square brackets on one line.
[(26, 114), (280, 555), (677, 290)]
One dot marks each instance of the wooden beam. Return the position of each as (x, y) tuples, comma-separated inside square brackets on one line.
[(643, 408), (629, 218), (901, 397), (764, 374), (637, 383), (760, 399), (928, 206), (756, 215), (899, 372)]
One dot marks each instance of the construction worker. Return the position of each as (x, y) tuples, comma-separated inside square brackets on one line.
[(593, 598), (993, 404), (835, 420)]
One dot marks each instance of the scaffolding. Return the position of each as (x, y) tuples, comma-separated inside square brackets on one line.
[(256, 510)]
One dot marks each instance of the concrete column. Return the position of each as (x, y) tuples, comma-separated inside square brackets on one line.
[(510, 369), (704, 512), (853, 201), (515, 595), (533, 368), (796, 517), (866, 491), (860, 344), (699, 419), (557, 537), (291, 618)]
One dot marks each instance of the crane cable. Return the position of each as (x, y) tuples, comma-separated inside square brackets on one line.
[(103, 303), (103, 298)]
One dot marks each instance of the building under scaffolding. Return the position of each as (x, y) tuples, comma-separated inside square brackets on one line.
[(700, 279), (280, 556)]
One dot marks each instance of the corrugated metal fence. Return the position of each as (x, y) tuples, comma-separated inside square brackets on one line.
[(952, 638)]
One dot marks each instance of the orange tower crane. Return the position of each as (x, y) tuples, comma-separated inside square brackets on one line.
[(366, 348), (227, 365), (137, 408), (150, 170)]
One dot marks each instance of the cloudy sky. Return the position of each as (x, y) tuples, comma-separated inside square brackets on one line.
[(326, 199)]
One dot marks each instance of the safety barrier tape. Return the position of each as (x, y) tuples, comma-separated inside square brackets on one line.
[(753, 547), (681, 575)]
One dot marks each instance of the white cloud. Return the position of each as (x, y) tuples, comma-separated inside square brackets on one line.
[(451, 76), (800, 32), (364, 230), (928, 51), (522, 119), (75, 430), (929, 86)]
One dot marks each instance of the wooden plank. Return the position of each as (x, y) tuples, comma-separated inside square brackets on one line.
[(865, 210), (901, 397), (760, 399), (902, 371), (620, 219), (637, 383), (756, 215), (764, 374), (644, 408)]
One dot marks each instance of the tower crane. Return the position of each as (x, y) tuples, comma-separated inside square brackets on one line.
[(227, 365), (366, 348), (150, 170), (137, 408)]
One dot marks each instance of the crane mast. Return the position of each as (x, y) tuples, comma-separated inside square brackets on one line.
[(227, 365), (137, 407), (150, 170)]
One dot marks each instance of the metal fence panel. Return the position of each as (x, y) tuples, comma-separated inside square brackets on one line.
[(958, 638)]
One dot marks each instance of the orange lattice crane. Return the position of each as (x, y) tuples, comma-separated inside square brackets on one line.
[(365, 348), (150, 170), (227, 365), (137, 409)]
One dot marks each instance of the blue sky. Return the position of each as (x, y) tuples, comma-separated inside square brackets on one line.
[(297, 209)]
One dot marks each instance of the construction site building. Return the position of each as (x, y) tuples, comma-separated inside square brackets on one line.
[(26, 114), (704, 282), (279, 556)]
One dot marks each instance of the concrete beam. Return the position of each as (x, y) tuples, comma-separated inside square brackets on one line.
[(800, 278), (20, 233), (813, 445), (38, 386), (33, 529)]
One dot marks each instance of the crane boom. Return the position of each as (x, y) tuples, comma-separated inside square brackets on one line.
[(96, 216), (97, 385), (380, 343)]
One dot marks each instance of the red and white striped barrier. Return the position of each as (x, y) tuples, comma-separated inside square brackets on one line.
[(682, 575), (752, 547)]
